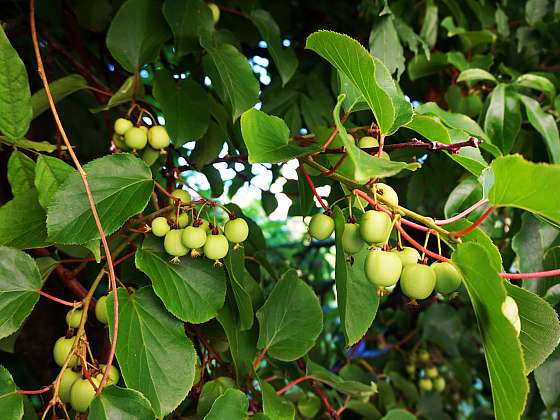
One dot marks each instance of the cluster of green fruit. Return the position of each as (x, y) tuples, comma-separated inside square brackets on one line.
[(74, 388), (199, 237), (385, 268), (430, 378), (129, 137)]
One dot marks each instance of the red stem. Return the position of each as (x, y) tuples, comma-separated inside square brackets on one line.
[(312, 186), (259, 359), (124, 257), (331, 138), (475, 224), (463, 213), (381, 144), (534, 275), (293, 383), (418, 246), (54, 298), (34, 392)]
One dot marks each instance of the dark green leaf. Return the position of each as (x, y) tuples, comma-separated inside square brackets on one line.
[(126, 92), (38, 146), (267, 138), (357, 297), (290, 320), (11, 403), (193, 290), (476, 75), (210, 392), (275, 406), (137, 33), (503, 118), (540, 83), (422, 66), (284, 58), (502, 349), (269, 202), (21, 172), (464, 195), (429, 29), (60, 89), (237, 275), (120, 403), (535, 11), (185, 107), (50, 173), (384, 44), (15, 97), (121, 186), (209, 146), (232, 404), (352, 388), (154, 354), (20, 282), (398, 414), (546, 376)]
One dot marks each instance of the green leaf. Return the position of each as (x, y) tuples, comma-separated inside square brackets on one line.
[(38, 146), (11, 403), (275, 406), (188, 20), (185, 107), (237, 274), (21, 172), (476, 75), (356, 63), (60, 89), (384, 44), (20, 282), (209, 147), (269, 202), (429, 28), (232, 404), (267, 138), (15, 97), (530, 244), (398, 414), (121, 185), (540, 83), (154, 354), (284, 58), (193, 290), (503, 118), (535, 11), (464, 195), (231, 74), (120, 403), (211, 390), (23, 222), (126, 92), (360, 165), (452, 120), (430, 127), (422, 66), (50, 174), (137, 32), (290, 320), (512, 189), (545, 124), (357, 297), (502, 349), (546, 377), (540, 328), (352, 388)]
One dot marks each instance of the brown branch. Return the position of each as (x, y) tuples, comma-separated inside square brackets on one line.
[(414, 143), (112, 277), (66, 276)]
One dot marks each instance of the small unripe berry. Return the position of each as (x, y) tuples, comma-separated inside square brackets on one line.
[(236, 230), (73, 318), (216, 247), (173, 244), (425, 384), (375, 227), (382, 268), (215, 12), (432, 372), (321, 226), (101, 310), (69, 377), (439, 384), (182, 195), (407, 255), (351, 240), (511, 312), (183, 220), (61, 350), (135, 138), (424, 356), (367, 142), (114, 374), (122, 125), (194, 237), (158, 137), (160, 227), (82, 394), (417, 281), (387, 193), (448, 278)]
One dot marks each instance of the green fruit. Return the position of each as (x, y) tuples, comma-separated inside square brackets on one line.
[(367, 142), (61, 350), (158, 137), (432, 372), (101, 310), (82, 394), (194, 237), (387, 193), (182, 195), (407, 255), (114, 374), (215, 12), (448, 278), (509, 309), (375, 226), (122, 125), (350, 137), (135, 138), (73, 318), (411, 370), (424, 356), (321, 226), (205, 224), (439, 384), (385, 155), (418, 281), (425, 384), (160, 227), (351, 239), (66, 381), (216, 247), (173, 244), (183, 220), (236, 230), (382, 268), (119, 142)]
